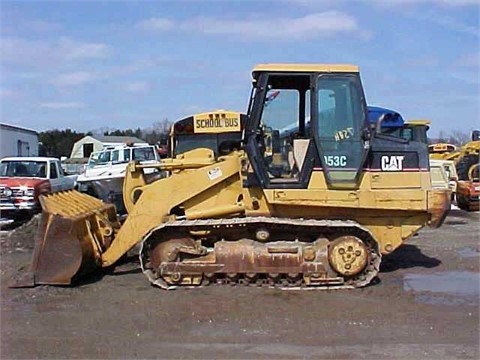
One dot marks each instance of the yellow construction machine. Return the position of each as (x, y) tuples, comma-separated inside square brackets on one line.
[(468, 189), (314, 207), (442, 151), (467, 164)]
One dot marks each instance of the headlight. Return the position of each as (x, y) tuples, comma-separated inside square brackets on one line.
[(7, 192), (30, 192)]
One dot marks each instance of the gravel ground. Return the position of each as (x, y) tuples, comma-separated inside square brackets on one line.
[(425, 306)]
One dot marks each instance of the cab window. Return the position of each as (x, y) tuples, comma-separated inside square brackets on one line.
[(115, 155), (53, 171)]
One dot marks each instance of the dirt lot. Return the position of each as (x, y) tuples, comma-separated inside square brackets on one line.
[(426, 305)]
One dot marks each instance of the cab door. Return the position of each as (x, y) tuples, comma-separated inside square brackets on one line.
[(339, 128), (55, 179)]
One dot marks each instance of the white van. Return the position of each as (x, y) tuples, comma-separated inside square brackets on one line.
[(448, 179)]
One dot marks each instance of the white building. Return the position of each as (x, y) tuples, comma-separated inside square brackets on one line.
[(88, 144), (17, 141)]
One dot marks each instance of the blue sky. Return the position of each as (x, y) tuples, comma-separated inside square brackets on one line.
[(109, 64)]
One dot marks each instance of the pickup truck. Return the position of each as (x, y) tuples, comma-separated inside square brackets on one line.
[(23, 179)]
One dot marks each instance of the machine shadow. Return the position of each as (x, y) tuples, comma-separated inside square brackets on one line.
[(126, 265), (406, 257)]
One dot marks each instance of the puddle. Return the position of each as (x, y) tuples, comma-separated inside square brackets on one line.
[(468, 252), (449, 300), (456, 222), (451, 282), (446, 288)]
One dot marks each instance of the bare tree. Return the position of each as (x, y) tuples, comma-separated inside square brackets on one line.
[(102, 130), (163, 126), (459, 138), (456, 138)]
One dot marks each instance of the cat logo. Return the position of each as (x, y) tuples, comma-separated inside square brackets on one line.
[(392, 163)]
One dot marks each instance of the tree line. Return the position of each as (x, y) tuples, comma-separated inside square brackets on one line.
[(455, 137), (58, 143)]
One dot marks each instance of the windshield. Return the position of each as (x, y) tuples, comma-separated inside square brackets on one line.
[(144, 154), (408, 132), (220, 144), (187, 142), (281, 108), (23, 169), (118, 156), (98, 158)]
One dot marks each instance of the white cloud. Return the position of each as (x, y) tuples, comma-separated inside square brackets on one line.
[(467, 77), (458, 2), (40, 26), (82, 50), (137, 87), (75, 78), (422, 62), (469, 61), (156, 24), (63, 105), (314, 3), (319, 24), (20, 51), (454, 24), (452, 3), (6, 93), (193, 109), (138, 65), (440, 18)]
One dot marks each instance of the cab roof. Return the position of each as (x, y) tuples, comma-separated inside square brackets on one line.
[(419, 122), (29, 158), (306, 68)]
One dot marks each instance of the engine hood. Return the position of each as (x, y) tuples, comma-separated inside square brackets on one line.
[(22, 181)]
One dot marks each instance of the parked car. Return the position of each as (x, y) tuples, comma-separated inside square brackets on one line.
[(23, 179), (438, 175), (105, 171), (73, 166)]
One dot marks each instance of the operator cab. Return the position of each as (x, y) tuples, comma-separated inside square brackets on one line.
[(307, 118)]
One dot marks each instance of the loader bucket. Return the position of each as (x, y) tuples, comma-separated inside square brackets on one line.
[(74, 230), (439, 204)]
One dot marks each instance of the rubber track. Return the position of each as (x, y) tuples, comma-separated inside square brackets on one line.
[(340, 227)]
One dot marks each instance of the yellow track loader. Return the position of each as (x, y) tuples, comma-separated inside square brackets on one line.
[(312, 198)]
